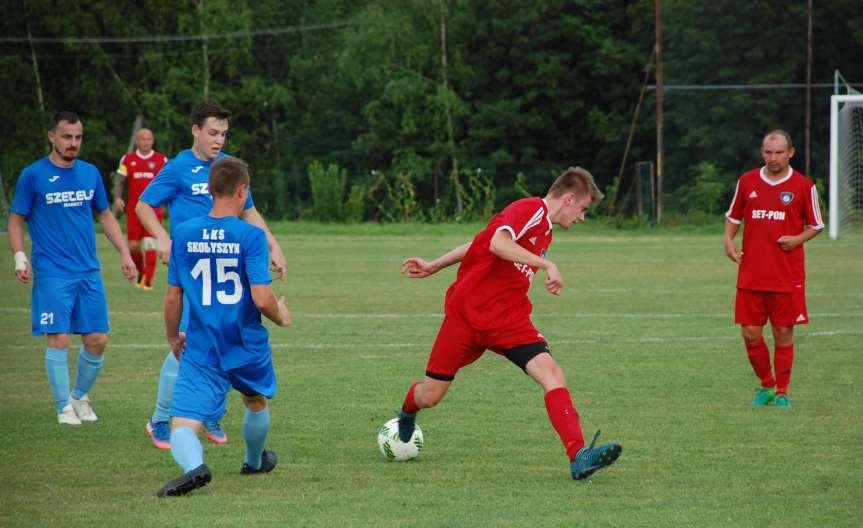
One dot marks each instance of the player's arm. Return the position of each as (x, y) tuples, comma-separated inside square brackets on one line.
[(147, 216), (503, 246), (173, 310), (119, 190), (789, 242), (731, 248), (265, 301), (23, 271), (112, 231), (417, 268), (277, 257)]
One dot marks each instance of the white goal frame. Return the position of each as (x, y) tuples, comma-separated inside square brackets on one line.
[(834, 158)]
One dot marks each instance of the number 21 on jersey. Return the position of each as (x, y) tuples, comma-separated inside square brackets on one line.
[(223, 275)]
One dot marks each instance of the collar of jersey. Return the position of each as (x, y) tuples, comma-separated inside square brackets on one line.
[(547, 214), (777, 182), (143, 157)]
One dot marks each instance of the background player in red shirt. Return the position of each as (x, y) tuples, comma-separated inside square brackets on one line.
[(487, 308), (779, 209), (137, 169)]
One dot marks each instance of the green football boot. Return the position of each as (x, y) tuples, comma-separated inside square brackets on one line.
[(782, 402), (763, 396)]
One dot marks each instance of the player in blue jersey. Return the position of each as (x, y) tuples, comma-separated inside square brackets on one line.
[(182, 185), (57, 196), (219, 265)]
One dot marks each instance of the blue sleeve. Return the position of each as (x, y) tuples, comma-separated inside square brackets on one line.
[(163, 187), (100, 198), (256, 258), (249, 202), (174, 265), (23, 199)]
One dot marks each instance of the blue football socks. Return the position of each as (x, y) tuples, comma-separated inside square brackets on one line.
[(167, 379), (88, 370), (186, 448), (57, 369), (256, 425)]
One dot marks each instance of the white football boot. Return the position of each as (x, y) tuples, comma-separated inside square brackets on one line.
[(83, 409), (68, 417)]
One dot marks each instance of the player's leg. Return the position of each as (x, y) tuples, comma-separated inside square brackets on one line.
[(90, 319), (786, 311), (455, 347), (188, 453), (158, 427), (134, 233), (750, 312), (257, 383), (52, 301), (149, 245)]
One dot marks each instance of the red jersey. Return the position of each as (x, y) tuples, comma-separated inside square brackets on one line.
[(490, 292), (770, 209), (139, 171)]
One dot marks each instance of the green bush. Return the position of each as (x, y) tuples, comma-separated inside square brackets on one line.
[(328, 195)]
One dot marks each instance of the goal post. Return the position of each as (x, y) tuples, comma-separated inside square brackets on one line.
[(846, 160)]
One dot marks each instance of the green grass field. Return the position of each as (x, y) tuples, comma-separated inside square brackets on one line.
[(643, 330)]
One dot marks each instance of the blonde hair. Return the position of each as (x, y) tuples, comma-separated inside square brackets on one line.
[(578, 181), (779, 132)]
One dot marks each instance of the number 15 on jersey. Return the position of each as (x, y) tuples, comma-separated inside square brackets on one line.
[(225, 273)]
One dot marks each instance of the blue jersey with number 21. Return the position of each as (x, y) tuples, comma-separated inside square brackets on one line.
[(214, 261)]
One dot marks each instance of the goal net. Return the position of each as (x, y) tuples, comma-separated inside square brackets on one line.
[(846, 163)]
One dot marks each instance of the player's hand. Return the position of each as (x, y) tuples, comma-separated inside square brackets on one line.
[(24, 274), (284, 314), (278, 263), (119, 205), (417, 268), (733, 252), (163, 248), (127, 266), (788, 242), (553, 279), (178, 345)]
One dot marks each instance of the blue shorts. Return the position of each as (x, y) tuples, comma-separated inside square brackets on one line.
[(69, 305), (201, 391)]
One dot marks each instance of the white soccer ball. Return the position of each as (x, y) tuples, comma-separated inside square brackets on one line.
[(392, 448)]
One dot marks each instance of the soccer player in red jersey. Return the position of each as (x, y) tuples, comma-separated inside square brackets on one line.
[(487, 308), (137, 169), (779, 210)]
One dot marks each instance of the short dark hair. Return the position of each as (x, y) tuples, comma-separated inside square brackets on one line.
[(63, 115), (226, 176), (206, 109), (579, 181), (779, 132)]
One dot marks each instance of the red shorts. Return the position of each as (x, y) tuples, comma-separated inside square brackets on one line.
[(134, 229), (458, 345), (753, 308)]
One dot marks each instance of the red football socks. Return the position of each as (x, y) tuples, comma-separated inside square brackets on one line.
[(149, 266), (564, 419), (759, 358), (784, 358), (138, 259), (410, 405)]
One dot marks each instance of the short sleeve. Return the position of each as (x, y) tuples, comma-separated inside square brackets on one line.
[(249, 202), (22, 202), (122, 168), (100, 197), (519, 217), (812, 216), (256, 257), (734, 214), (174, 266), (162, 189)]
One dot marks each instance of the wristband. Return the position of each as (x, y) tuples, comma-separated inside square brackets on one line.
[(20, 261)]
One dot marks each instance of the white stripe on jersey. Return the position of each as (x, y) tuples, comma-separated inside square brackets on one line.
[(534, 220), (506, 228), (730, 207), (816, 209)]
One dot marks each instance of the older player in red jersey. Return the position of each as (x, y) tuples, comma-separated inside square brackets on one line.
[(137, 169), (779, 210), (487, 308)]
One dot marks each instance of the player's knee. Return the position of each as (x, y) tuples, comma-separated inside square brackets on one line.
[(255, 403), (58, 341), (751, 334), (783, 335), (95, 343)]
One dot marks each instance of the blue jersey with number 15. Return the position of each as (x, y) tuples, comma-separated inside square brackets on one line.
[(215, 261)]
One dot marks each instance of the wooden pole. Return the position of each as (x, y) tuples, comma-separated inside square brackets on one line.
[(808, 86), (659, 147)]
